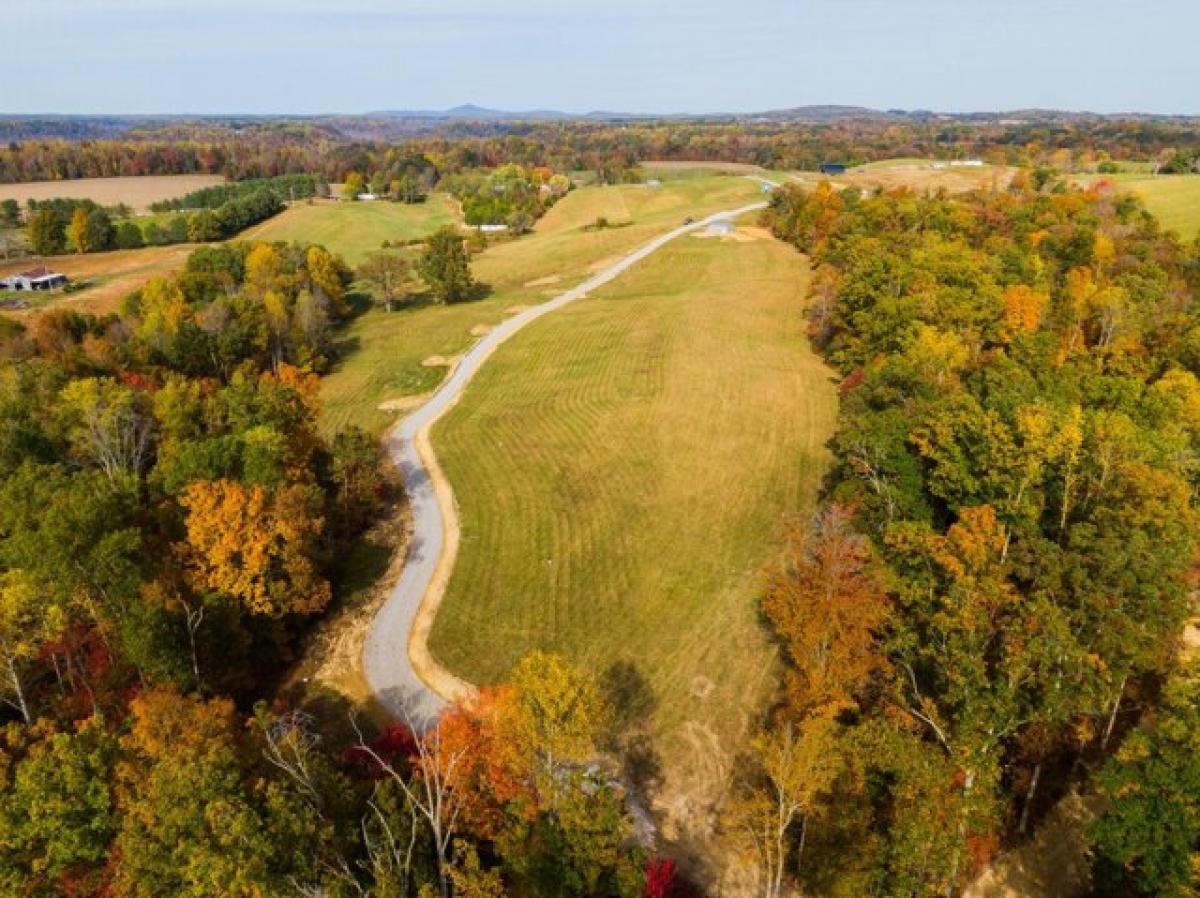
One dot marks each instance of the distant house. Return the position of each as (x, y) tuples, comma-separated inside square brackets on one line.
[(366, 197), (41, 278), (833, 168), (653, 182), (492, 228)]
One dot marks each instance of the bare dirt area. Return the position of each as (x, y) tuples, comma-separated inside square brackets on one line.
[(1053, 863), (136, 192), (330, 670)]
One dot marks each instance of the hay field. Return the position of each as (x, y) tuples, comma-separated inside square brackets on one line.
[(623, 468), (136, 192), (384, 354)]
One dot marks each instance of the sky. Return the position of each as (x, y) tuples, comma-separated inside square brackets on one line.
[(352, 56)]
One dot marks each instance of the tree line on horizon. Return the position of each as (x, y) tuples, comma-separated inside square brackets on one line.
[(267, 150)]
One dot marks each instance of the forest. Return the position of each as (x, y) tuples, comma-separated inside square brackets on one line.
[(988, 610)]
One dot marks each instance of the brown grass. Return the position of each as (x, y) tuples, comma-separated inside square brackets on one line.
[(138, 192), (112, 275)]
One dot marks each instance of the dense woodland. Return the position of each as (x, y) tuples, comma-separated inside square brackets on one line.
[(269, 150), (988, 611)]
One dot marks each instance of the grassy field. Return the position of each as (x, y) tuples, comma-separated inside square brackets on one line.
[(110, 275), (384, 353), (623, 469), (137, 192), (1173, 199), (356, 229)]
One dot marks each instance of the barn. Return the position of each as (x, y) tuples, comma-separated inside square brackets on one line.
[(40, 278)]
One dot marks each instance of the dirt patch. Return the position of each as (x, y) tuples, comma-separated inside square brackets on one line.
[(515, 310), (1053, 864), (403, 403), (606, 262), (544, 282), (481, 330), (438, 361), (332, 660)]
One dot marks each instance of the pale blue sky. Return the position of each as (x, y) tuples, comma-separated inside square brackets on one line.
[(305, 56)]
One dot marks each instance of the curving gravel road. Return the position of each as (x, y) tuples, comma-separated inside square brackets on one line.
[(387, 659)]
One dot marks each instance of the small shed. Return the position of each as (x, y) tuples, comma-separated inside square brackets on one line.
[(40, 278), (721, 228), (833, 168)]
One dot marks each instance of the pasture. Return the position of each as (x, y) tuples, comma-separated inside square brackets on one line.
[(624, 468), (110, 276), (136, 192), (355, 230), (1173, 199), (384, 354)]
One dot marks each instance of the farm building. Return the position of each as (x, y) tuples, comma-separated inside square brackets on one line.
[(833, 168), (41, 278)]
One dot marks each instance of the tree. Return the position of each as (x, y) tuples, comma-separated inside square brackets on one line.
[(98, 231), (110, 425), (253, 547), (129, 236), (45, 231), (797, 767), (826, 602), (10, 213), (389, 276), (352, 186), (27, 619), (445, 266), (58, 815), (1147, 843), (77, 231), (196, 822)]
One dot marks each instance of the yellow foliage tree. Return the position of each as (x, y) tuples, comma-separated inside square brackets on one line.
[(1023, 308), (253, 547)]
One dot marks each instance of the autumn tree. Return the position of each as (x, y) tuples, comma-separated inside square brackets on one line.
[(389, 276), (255, 547), (826, 602), (796, 769)]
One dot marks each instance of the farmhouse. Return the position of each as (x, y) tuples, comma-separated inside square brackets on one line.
[(40, 278), (833, 168)]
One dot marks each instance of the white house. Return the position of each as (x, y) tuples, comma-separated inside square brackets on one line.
[(40, 278)]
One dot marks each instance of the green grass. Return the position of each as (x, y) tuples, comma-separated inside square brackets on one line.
[(383, 353), (623, 469), (1173, 199), (354, 230)]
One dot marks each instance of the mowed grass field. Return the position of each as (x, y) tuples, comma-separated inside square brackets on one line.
[(623, 469), (1173, 199), (136, 192), (355, 230), (383, 354)]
